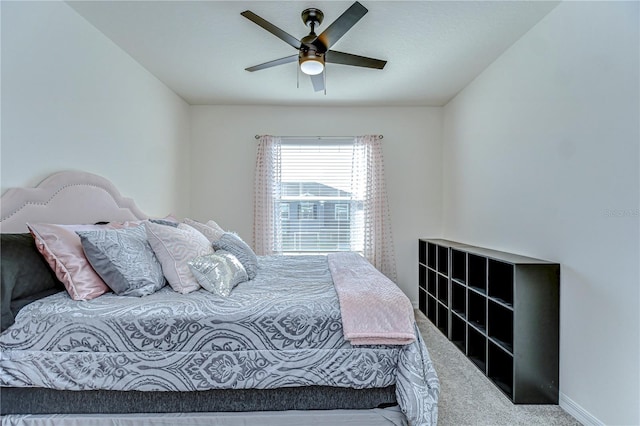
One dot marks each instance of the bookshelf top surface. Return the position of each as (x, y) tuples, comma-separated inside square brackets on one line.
[(489, 253)]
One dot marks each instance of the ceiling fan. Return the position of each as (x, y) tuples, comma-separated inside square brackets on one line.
[(315, 50)]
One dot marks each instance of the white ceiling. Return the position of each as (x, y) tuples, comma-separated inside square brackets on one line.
[(200, 48)]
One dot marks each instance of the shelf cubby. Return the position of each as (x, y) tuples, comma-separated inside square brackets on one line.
[(443, 319), (500, 369), (459, 299), (443, 260), (477, 310), (477, 273), (458, 266), (432, 281), (500, 278), (422, 276), (432, 308), (422, 252), (477, 348), (500, 327), (501, 310), (422, 300), (432, 251), (443, 289), (459, 332)]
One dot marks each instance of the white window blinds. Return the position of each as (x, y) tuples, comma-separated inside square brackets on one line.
[(316, 207)]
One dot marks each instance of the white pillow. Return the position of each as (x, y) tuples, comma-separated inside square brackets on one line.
[(174, 248), (211, 230)]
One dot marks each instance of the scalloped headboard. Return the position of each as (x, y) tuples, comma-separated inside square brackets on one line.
[(70, 197)]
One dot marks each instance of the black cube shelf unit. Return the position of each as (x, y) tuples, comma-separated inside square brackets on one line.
[(500, 309)]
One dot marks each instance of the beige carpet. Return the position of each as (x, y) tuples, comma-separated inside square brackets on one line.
[(467, 397)]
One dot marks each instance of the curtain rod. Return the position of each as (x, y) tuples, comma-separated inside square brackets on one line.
[(316, 137)]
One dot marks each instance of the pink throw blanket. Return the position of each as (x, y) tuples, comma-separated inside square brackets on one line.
[(374, 310)]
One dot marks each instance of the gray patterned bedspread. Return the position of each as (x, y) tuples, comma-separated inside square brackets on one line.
[(281, 329)]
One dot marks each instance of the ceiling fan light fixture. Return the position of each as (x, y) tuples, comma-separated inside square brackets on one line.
[(311, 65)]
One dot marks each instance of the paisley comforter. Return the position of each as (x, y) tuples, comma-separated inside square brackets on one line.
[(281, 329)]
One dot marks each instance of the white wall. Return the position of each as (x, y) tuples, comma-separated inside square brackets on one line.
[(541, 158), (71, 99), (224, 154)]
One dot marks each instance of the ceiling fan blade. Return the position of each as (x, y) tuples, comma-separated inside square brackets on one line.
[(282, 35), (273, 63), (336, 57), (318, 82), (340, 26)]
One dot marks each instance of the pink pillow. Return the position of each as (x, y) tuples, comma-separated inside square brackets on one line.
[(61, 247)]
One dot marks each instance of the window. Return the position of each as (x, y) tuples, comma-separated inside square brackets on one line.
[(316, 183)]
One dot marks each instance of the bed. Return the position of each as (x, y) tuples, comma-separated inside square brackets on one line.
[(275, 351)]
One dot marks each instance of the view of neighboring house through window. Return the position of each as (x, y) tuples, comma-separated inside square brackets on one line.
[(315, 197)]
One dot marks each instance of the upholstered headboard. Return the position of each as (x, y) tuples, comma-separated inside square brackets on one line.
[(70, 197)]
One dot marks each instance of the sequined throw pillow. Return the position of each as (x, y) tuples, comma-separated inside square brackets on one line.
[(218, 273)]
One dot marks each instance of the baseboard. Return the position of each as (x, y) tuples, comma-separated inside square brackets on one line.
[(576, 411)]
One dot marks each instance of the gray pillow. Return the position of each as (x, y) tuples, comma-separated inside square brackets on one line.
[(124, 260), (234, 245), (165, 222), (25, 275), (219, 272)]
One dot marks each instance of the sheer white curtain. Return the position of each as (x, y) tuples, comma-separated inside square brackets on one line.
[(267, 235), (368, 185)]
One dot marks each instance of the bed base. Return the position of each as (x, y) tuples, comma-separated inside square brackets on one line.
[(51, 401)]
